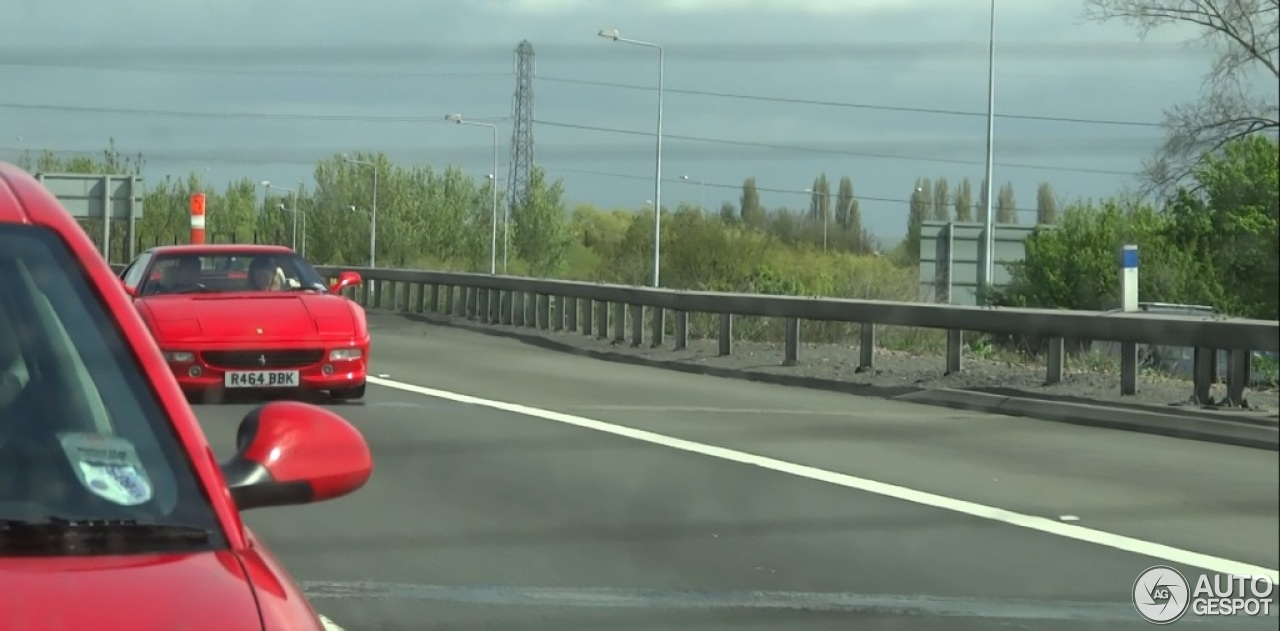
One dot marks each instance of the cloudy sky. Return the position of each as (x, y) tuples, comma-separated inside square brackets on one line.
[(883, 91)]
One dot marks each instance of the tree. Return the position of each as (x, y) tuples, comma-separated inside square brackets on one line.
[(540, 236), (941, 199), (1231, 221), (1006, 205), (844, 202), (1046, 204), (964, 201), (1244, 34), (753, 214), (980, 209), (1074, 266), (919, 210), (820, 200), (729, 214)]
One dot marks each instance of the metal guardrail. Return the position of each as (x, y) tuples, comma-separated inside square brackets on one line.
[(565, 305)]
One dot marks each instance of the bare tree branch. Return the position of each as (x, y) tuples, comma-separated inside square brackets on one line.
[(1245, 34)]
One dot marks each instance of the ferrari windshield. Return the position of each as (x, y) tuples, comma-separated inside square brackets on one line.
[(228, 271), (82, 435)]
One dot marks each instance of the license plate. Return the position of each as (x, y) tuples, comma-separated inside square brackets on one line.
[(262, 379)]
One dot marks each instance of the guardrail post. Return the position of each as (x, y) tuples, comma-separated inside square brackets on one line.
[(482, 310), (866, 347), (637, 325), (570, 313), (531, 310), (406, 290), (1204, 360), (619, 322), (517, 308), (726, 334), (395, 295), (955, 350), (365, 291), (682, 330), (469, 302), (659, 316), (602, 319), (435, 298), (791, 346), (544, 311), (495, 306), (1054, 361), (421, 305), (1128, 368), (557, 313), (448, 300), (1238, 365), (508, 307), (588, 316)]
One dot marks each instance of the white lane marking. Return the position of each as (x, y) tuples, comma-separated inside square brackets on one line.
[(1041, 524), (328, 624)]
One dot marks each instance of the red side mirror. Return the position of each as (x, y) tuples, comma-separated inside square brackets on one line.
[(345, 279), (289, 452), (127, 289)]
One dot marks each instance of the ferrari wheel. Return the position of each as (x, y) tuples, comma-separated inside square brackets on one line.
[(347, 394)]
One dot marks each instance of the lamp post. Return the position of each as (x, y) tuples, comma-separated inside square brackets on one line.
[(493, 186), (303, 251), (988, 241), (266, 184), (824, 205), (702, 192), (373, 217), (657, 163)]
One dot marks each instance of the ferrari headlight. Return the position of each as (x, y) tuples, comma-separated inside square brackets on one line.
[(179, 357), (345, 354)]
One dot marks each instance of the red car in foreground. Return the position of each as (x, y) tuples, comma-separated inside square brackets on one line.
[(114, 515), (250, 317)]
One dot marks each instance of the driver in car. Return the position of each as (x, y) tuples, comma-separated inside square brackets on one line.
[(264, 275), (186, 273)]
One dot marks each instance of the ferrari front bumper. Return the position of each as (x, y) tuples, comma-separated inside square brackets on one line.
[(282, 367)]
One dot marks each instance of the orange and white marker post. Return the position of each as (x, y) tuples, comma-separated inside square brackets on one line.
[(197, 218)]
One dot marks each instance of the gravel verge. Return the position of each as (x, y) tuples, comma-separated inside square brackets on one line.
[(896, 373)]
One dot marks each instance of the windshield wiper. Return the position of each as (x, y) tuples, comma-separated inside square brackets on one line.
[(85, 536)]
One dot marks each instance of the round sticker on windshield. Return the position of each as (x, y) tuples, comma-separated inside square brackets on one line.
[(108, 466)]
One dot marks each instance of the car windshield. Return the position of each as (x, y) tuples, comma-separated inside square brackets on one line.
[(83, 438), (223, 272)]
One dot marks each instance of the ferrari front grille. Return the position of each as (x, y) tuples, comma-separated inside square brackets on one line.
[(263, 359)]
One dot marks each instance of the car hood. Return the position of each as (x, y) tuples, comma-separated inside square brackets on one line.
[(192, 592), (248, 317)]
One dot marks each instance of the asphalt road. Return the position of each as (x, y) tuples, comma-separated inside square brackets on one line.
[(480, 518)]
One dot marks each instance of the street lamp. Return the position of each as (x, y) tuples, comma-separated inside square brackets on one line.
[(373, 217), (303, 252), (988, 241), (702, 195), (657, 163), (824, 205), (493, 213), (266, 184)]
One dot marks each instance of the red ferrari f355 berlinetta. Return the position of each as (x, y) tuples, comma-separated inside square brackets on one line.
[(250, 317)]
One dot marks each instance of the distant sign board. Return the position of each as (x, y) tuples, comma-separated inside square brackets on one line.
[(101, 197)]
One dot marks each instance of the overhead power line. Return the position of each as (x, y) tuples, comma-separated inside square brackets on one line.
[(241, 71), (865, 106), (763, 145), (80, 109)]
